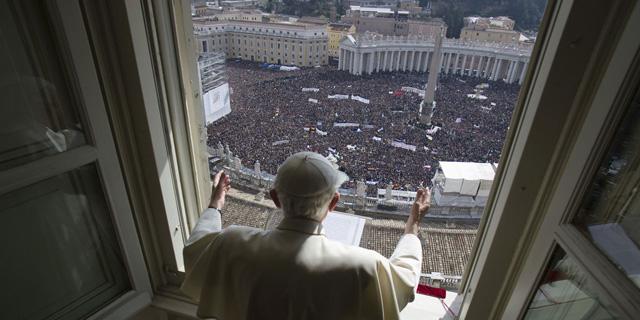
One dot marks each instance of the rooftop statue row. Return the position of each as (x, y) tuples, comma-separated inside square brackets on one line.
[(370, 38)]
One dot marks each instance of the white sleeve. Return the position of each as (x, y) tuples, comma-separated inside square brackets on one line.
[(210, 221), (408, 258), (395, 281), (196, 254)]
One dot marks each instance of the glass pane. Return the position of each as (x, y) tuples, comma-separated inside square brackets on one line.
[(610, 214), (565, 293), (60, 257), (37, 117)]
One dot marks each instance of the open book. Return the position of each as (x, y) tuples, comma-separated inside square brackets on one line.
[(344, 228)]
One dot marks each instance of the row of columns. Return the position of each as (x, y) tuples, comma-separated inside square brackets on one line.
[(488, 67), (380, 61)]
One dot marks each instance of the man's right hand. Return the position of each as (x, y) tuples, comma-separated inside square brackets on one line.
[(418, 210)]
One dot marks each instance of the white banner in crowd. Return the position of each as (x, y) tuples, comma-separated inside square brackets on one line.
[(285, 68), (433, 130), (403, 145), (310, 89), (413, 90), (361, 99), (476, 96), (345, 124), (320, 132), (377, 138), (331, 158), (279, 142), (338, 96), (313, 100)]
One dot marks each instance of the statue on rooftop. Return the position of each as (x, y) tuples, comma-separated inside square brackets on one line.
[(220, 150), (256, 169), (388, 195), (237, 163), (361, 188)]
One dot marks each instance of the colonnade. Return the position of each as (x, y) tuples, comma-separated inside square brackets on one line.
[(489, 64)]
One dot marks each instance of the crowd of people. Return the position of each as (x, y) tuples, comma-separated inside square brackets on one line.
[(272, 118)]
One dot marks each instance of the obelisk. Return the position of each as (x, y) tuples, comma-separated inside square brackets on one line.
[(428, 104)]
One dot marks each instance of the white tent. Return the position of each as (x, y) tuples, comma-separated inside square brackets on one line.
[(467, 178)]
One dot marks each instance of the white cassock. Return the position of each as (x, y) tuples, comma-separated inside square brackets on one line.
[(294, 272)]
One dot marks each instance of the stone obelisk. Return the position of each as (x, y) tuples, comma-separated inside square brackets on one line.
[(428, 104)]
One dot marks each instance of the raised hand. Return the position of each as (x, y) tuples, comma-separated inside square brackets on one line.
[(221, 185), (422, 203), (418, 210)]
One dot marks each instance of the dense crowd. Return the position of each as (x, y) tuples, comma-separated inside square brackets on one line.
[(272, 118)]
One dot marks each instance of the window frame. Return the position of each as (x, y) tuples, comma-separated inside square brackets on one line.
[(99, 150), (518, 248), (616, 88), (145, 137), (170, 62)]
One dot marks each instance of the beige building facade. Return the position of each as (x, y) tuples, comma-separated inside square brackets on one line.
[(291, 43), (336, 32), (387, 21), (498, 30)]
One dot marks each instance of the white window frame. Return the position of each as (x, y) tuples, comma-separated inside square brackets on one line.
[(107, 164), (164, 57), (608, 100), (541, 174), (100, 150), (152, 131)]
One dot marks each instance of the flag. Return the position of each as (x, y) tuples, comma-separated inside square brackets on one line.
[(432, 291)]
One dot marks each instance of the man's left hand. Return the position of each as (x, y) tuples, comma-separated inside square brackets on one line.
[(221, 185)]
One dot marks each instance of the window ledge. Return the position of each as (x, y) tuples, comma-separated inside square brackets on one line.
[(430, 308), (422, 308), (175, 306)]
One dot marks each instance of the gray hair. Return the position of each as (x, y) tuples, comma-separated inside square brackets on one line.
[(305, 207)]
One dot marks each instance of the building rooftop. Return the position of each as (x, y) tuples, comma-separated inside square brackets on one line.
[(276, 23), (482, 23), (340, 26), (376, 10)]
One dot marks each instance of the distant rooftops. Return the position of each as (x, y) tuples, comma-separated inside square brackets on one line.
[(377, 10), (288, 24), (340, 26), (484, 23)]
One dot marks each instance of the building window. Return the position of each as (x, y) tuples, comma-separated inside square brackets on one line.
[(463, 121)]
